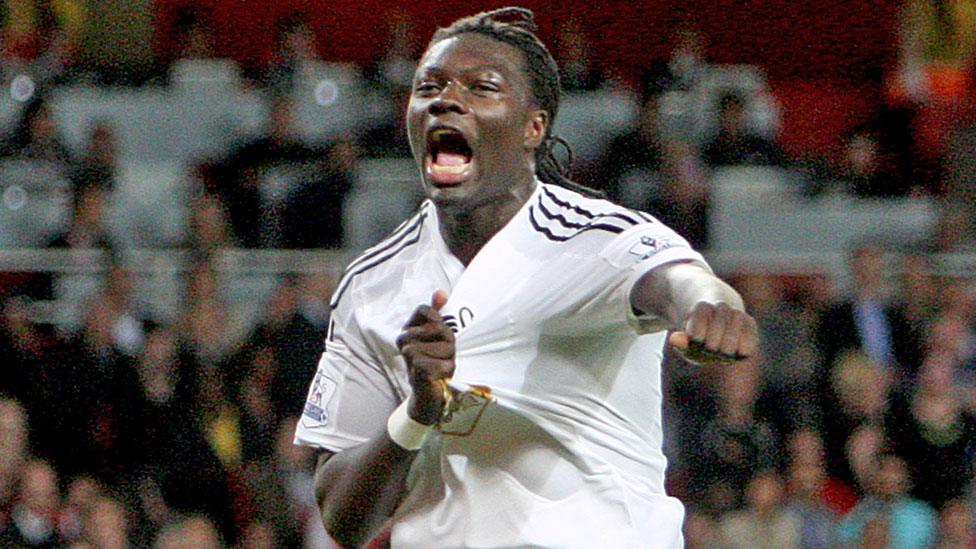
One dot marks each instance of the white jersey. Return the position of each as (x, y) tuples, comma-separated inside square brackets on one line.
[(569, 455)]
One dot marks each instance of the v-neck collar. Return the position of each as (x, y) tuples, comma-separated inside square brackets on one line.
[(451, 264)]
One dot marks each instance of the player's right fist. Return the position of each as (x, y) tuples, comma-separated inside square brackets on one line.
[(427, 346)]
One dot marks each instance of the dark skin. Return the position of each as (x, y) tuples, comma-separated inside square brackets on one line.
[(480, 87)]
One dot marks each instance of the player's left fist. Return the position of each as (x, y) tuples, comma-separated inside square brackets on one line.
[(716, 333)]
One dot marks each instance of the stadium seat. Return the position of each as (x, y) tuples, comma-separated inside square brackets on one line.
[(35, 202)]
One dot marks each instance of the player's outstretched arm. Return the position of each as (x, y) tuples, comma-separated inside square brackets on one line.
[(708, 317), (358, 489)]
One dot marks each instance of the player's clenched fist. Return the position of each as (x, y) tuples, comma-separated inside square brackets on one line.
[(716, 332), (427, 345)]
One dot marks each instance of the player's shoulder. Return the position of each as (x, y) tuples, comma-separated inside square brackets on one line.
[(562, 215), (376, 262)]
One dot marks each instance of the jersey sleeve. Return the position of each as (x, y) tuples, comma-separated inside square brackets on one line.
[(351, 396), (633, 254), (602, 283)]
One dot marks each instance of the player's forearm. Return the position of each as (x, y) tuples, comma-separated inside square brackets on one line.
[(358, 489), (672, 291)]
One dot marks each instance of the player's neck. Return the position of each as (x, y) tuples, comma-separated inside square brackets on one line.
[(467, 230)]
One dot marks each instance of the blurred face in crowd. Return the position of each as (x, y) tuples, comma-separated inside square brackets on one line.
[(13, 435), (765, 492), (868, 267), (39, 488), (107, 524), (891, 480), (956, 521), (862, 155)]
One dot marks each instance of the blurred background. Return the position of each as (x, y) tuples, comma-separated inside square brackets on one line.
[(181, 183)]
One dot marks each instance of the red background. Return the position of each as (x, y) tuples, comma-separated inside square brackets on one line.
[(824, 58)]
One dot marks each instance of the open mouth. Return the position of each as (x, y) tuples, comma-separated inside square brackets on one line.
[(449, 156)]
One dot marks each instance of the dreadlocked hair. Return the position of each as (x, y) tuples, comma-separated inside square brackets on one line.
[(516, 27)]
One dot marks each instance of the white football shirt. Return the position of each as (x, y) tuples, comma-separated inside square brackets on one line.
[(569, 454)]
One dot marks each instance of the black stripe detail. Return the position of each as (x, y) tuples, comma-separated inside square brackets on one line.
[(565, 222), (390, 241), (562, 238), (586, 213), (418, 229)]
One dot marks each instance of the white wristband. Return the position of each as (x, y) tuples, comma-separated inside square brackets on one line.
[(406, 432)]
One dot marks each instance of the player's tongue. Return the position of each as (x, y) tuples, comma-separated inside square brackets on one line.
[(445, 159), (448, 168)]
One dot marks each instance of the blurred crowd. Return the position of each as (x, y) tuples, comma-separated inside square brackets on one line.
[(854, 427)]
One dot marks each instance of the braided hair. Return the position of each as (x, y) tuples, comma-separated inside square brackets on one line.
[(516, 27)]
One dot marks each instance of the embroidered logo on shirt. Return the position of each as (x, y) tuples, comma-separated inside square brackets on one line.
[(323, 387), (464, 318), (649, 246)]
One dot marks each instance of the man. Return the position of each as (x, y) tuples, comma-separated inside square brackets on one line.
[(553, 303)]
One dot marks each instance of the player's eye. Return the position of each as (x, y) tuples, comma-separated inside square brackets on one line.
[(486, 86), (426, 88)]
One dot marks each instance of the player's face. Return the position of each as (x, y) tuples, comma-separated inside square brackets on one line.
[(471, 123)]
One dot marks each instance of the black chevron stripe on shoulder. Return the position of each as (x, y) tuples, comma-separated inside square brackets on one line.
[(547, 232), (620, 213), (395, 237), (408, 237)]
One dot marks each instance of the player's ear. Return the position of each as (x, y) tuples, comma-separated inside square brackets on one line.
[(535, 129)]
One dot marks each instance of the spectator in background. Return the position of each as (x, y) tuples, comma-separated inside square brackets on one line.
[(937, 50), (687, 64), (764, 522), (919, 293), (293, 344), (868, 321), (956, 529), (107, 524), (35, 137), (23, 346), (79, 501), (700, 530), (815, 519), (294, 46), (194, 532), (182, 470), (208, 229), (735, 144), (911, 524), (575, 56), (13, 455), (811, 486), (280, 489), (644, 171), (193, 34), (954, 230), (98, 383), (34, 515), (313, 210), (254, 203), (786, 334), (868, 170), (132, 317), (394, 69), (933, 431), (854, 416), (99, 162), (735, 444), (87, 229), (631, 167)]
